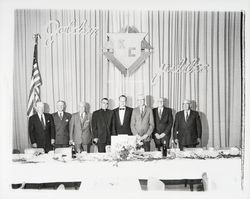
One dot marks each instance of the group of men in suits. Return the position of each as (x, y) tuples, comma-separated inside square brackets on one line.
[(83, 129)]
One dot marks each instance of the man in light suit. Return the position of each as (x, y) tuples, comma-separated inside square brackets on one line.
[(41, 129), (187, 127), (103, 126), (122, 116), (61, 120), (142, 123), (163, 119), (80, 129)]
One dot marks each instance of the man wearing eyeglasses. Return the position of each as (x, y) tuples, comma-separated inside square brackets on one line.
[(103, 125)]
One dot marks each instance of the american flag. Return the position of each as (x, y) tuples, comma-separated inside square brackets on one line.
[(36, 82)]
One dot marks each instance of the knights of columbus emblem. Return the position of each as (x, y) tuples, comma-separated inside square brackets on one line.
[(127, 50)]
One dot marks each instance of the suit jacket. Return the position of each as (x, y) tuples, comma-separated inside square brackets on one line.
[(142, 124), (103, 125), (42, 137), (125, 127), (163, 124), (189, 131), (62, 127), (80, 134)]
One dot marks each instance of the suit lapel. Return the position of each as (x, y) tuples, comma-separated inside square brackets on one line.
[(125, 114), (190, 115), (183, 117), (164, 113), (102, 116), (39, 121)]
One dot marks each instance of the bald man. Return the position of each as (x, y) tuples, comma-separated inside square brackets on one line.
[(187, 127), (80, 129), (41, 129)]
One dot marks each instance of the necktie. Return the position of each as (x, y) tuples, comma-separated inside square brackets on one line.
[(61, 116), (42, 120), (160, 113), (142, 111)]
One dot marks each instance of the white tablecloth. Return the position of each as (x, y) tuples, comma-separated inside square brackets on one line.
[(221, 173)]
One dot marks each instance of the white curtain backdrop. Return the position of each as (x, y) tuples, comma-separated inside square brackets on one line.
[(74, 68)]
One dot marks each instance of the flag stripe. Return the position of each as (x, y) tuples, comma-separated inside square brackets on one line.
[(36, 82)]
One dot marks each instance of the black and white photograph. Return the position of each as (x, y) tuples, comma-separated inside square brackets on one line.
[(135, 101)]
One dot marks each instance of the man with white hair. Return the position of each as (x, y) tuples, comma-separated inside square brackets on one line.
[(61, 120), (80, 129), (163, 119), (41, 129), (187, 127), (142, 122)]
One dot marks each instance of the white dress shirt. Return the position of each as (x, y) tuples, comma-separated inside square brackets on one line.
[(160, 110), (186, 114), (60, 114), (121, 114), (40, 117)]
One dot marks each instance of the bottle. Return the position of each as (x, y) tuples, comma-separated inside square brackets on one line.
[(73, 150), (172, 145), (164, 149), (53, 147)]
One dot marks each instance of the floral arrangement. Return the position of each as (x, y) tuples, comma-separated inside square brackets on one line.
[(123, 151)]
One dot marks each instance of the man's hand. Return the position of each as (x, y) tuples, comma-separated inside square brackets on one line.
[(198, 140), (157, 136), (95, 140), (52, 141), (144, 137), (34, 145), (138, 137), (176, 141), (162, 135), (70, 142)]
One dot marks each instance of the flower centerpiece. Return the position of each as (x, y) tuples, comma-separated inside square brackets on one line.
[(123, 152), (123, 146)]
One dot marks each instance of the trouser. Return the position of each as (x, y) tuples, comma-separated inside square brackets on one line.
[(159, 143), (187, 146), (146, 146), (82, 147), (61, 145), (101, 147)]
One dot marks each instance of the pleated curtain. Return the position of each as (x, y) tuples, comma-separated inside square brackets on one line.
[(74, 69)]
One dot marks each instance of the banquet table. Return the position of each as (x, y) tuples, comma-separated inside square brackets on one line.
[(217, 174)]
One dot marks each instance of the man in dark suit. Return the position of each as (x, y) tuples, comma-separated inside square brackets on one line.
[(103, 125), (187, 127), (61, 120), (122, 116), (41, 129), (163, 119)]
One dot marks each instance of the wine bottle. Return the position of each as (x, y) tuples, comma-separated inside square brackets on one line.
[(73, 150), (164, 149)]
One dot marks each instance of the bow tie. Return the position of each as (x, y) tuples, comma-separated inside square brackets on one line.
[(121, 108)]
